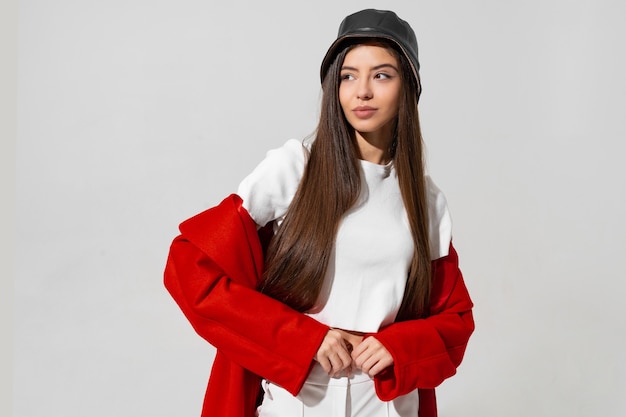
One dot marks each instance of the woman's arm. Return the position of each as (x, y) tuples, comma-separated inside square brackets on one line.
[(427, 351), (251, 329)]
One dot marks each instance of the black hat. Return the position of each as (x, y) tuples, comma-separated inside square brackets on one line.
[(371, 23)]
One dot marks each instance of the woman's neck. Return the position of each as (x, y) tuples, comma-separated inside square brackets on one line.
[(374, 148)]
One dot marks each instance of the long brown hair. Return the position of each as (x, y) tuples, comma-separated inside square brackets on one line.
[(297, 257)]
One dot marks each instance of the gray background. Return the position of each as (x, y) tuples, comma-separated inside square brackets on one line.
[(134, 115)]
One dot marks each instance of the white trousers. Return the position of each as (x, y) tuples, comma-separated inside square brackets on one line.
[(323, 396)]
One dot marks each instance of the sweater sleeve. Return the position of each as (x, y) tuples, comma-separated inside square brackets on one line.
[(427, 351), (268, 190), (440, 227), (210, 274)]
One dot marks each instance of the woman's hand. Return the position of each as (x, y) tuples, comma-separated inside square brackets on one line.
[(371, 356), (352, 339), (334, 353)]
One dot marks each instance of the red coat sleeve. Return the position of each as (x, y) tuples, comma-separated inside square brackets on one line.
[(212, 271), (427, 351)]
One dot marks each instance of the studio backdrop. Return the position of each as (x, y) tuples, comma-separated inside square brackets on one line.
[(135, 115)]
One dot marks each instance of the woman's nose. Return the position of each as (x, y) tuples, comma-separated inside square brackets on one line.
[(364, 91)]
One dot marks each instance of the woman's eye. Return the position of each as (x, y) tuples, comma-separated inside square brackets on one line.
[(347, 77), (382, 76)]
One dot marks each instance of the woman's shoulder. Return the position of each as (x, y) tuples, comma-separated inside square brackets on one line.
[(283, 164), (293, 151)]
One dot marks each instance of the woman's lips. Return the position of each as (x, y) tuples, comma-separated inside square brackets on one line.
[(364, 112)]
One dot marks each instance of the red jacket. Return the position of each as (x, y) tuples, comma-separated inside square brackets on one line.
[(212, 271)]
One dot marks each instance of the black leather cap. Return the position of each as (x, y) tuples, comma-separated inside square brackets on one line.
[(372, 23)]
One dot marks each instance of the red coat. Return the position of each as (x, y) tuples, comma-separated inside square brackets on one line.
[(212, 272)]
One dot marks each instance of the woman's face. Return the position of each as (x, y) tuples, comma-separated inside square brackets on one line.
[(369, 91)]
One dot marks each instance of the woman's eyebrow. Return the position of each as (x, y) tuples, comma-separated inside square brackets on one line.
[(374, 68)]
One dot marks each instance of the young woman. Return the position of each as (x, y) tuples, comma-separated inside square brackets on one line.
[(329, 280)]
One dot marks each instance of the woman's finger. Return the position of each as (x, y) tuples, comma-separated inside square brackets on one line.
[(333, 353), (371, 356)]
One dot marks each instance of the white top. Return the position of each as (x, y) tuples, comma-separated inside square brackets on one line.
[(367, 272)]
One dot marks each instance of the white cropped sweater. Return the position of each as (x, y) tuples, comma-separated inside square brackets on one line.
[(367, 273)]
